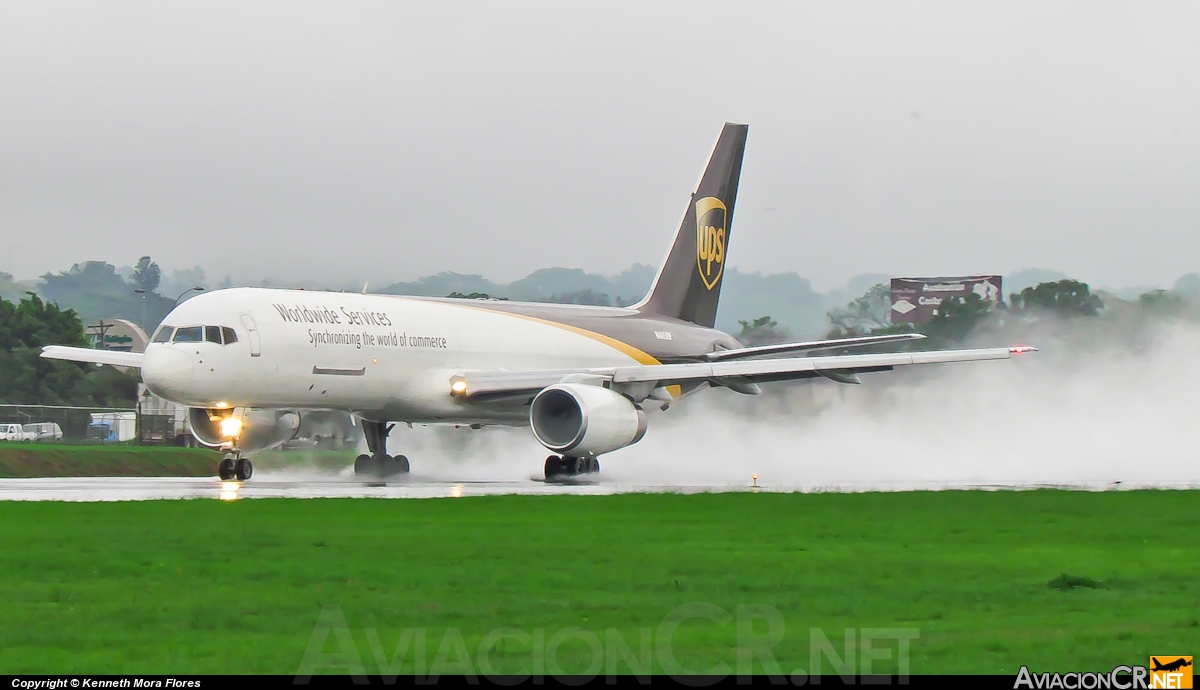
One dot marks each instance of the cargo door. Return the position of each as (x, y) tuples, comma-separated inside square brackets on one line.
[(252, 334)]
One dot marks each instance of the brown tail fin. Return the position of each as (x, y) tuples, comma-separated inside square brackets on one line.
[(688, 284)]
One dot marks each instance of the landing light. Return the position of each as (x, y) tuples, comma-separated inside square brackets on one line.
[(222, 405), (458, 387), (231, 427)]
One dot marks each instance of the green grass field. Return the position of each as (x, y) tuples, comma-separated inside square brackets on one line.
[(118, 460), (210, 587)]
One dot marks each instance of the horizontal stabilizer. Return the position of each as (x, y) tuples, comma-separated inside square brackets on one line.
[(84, 354)]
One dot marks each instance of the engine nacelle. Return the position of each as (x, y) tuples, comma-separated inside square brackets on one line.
[(253, 428), (581, 420)]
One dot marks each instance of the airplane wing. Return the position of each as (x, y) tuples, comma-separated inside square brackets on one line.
[(508, 386), (811, 345), (84, 354)]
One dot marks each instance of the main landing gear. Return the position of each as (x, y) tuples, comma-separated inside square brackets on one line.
[(234, 467), (378, 464), (566, 466)]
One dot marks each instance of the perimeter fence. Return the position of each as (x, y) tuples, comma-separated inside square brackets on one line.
[(50, 423), (156, 422)]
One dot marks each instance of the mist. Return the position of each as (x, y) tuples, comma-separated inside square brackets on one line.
[(1082, 412)]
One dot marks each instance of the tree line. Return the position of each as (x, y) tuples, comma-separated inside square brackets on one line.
[(959, 318), (26, 378), (97, 290)]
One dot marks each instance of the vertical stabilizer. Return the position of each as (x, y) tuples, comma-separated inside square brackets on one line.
[(688, 284)]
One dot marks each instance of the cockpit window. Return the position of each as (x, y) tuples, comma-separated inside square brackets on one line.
[(190, 334), (212, 334), (230, 334), (164, 334)]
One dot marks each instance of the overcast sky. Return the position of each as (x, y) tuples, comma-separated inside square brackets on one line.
[(384, 141)]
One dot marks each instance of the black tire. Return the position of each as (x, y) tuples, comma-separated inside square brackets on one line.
[(387, 466), (243, 469), (225, 470), (554, 467), (362, 465), (401, 463), (586, 465)]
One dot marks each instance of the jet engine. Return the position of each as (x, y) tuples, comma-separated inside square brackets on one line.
[(583, 420), (249, 428)]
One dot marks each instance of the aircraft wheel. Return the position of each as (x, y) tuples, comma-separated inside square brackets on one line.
[(555, 467), (583, 465), (385, 466), (243, 469), (400, 463), (363, 465), (225, 470)]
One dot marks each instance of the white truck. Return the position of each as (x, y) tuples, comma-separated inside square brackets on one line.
[(45, 431), (15, 432)]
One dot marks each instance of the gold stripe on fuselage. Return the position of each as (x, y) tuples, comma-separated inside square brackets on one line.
[(639, 356)]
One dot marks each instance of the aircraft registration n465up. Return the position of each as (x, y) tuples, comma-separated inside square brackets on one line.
[(250, 362)]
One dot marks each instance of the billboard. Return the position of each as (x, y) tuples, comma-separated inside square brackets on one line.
[(118, 334), (916, 300)]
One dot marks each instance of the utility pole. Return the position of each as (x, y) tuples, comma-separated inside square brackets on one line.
[(101, 330), (142, 292)]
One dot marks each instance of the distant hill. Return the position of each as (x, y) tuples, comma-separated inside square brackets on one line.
[(445, 283), (14, 290), (786, 297), (96, 289)]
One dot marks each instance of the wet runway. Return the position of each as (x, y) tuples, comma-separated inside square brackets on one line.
[(346, 486)]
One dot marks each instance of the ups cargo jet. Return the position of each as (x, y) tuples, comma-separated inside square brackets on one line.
[(250, 362)]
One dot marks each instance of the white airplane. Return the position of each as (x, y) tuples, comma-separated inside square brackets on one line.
[(249, 362)]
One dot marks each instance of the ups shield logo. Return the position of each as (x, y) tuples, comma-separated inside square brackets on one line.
[(710, 239)]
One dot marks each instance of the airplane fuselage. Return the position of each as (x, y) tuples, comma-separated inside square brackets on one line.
[(248, 361), (391, 357)]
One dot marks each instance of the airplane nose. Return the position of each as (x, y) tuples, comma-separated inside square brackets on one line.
[(165, 370)]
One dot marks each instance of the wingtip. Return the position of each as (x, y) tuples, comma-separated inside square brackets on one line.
[(1022, 349)]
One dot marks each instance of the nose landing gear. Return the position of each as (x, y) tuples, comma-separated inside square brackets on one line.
[(234, 467)]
